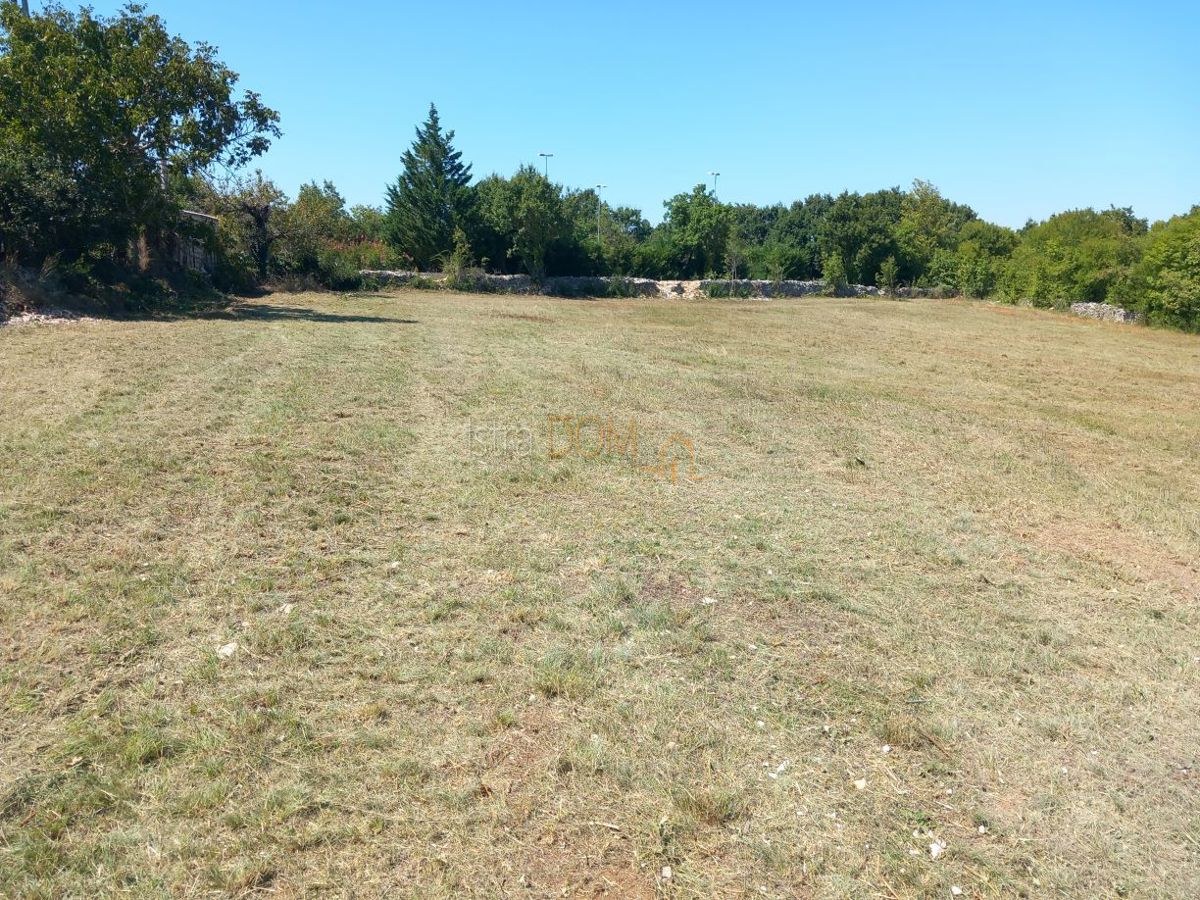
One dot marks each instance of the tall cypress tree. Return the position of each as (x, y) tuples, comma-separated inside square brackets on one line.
[(431, 197)]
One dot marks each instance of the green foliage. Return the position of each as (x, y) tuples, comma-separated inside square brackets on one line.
[(889, 276), (94, 111), (623, 231), (369, 223), (430, 198), (263, 236), (940, 273), (994, 240), (1075, 256), (798, 229), (461, 274), (775, 260), (975, 270), (310, 227), (110, 126), (860, 229), (722, 290), (252, 222), (833, 273), (1165, 284), (39, 204), (929, 224), (460, 257), (523, 216), (697, 230)]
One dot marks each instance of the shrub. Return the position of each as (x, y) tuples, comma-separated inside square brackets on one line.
[(473, 280), (833, 273), (461, 273), (888, 277), (722, 290), (623, 287)]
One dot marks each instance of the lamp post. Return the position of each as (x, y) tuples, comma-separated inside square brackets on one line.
[(715, 176), (546, 157), (599, 207)]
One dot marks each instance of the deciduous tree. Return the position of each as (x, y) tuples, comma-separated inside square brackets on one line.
[(115, 104)]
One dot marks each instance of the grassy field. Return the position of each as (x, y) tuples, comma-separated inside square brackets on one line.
[(321, 598)]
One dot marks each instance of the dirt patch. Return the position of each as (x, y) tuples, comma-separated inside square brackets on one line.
[(673, 590), (1134, 558), (561, 871)]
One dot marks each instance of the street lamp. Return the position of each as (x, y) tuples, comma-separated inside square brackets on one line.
[(546, 157), (599, 206), (715, 176)]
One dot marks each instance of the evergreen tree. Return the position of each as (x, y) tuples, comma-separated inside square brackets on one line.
[(431, 198)]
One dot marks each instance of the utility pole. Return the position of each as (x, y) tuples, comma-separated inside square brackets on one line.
[(599, 206), (25, 7), (715, 176), (546, 157)]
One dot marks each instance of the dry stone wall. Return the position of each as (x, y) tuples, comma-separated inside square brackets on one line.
[(1107, 312), (614, 286)]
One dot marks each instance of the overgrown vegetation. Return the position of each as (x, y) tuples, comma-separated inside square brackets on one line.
[(99, 119)]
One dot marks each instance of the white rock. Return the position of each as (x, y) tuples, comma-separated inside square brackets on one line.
[(228, 650), (936, 849)]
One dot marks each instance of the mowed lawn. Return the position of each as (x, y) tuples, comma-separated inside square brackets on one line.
[(932, 580)]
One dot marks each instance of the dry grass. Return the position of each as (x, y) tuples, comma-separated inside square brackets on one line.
[(464, 668)]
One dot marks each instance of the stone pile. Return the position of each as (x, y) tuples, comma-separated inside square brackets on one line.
[(1107, 312)]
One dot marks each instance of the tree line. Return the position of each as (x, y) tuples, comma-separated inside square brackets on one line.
[(110, 126), (895, 239)]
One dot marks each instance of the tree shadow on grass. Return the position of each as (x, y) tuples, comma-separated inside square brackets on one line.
[(275, 312), (200, 304)]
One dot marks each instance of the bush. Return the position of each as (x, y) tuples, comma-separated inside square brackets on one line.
[(888, 277), (833, 273), (338, 270), (473, 280), (726, 290), (460, 270), (976, 272), (621, 287)]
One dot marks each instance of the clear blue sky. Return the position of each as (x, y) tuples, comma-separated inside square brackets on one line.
[(1019, 109)]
